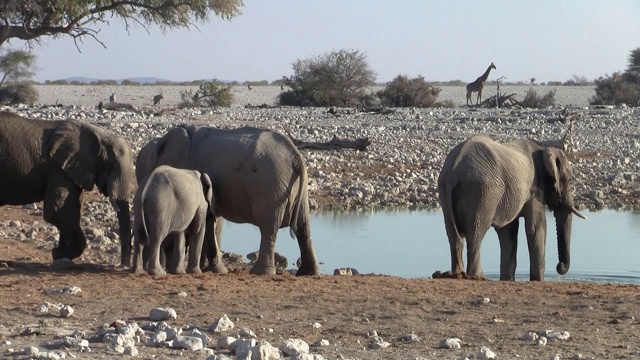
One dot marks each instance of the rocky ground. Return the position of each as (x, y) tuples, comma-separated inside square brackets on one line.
[(399, 169)]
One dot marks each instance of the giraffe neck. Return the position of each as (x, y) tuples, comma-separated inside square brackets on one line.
[(484, 76)]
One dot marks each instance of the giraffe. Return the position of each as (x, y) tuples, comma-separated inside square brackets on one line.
[(477, 85)]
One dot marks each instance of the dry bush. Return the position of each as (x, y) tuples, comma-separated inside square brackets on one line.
[(615, 90), (533, 100), (212, 94), (405, 92), (18, 94)]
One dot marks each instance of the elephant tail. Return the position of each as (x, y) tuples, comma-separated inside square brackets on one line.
[(445, 196), (301, 202)]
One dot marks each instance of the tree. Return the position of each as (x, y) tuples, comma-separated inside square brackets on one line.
[(336, 78), (16, 65), (632, 74), (31, 19)]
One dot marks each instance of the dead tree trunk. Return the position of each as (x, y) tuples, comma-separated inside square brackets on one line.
[(334, 144)]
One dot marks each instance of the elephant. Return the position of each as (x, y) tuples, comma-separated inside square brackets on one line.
[(484, 183), (259, 176), (171, 205), (54, 162)]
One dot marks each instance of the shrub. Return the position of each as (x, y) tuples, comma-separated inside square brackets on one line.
[(210, 94), (336, 78), (405, 92), (614, 90), (18, 94), (533, 100)]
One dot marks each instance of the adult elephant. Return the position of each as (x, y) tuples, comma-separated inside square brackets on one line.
[(259, 178), (484, 183), (56, 161)]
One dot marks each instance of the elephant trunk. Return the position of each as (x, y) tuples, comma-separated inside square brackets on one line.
[(119, 192), (563, 231)]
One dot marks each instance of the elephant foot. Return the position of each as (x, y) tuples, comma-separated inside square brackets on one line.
[(217, 267), (308, 270), (263, 270), (194, 270), (138, 271), (157, 272)]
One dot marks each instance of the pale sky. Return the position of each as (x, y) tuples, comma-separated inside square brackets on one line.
[(441, 40)]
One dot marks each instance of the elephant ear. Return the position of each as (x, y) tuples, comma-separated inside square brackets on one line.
[(75, 149), (207, 190), (173, 148), (556, 166)]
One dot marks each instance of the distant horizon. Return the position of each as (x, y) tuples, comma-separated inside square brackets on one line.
[(152, 79)]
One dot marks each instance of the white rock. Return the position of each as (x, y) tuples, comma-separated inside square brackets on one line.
[(556, 335), (265, 351), (160, 314), (411, 337), (450, 343), (31, 351), (66, 311), (321, 342), (199, 334), (307, 357), (486, 353), (221, 325), (225, 341), (542, 341), (315, 325), (130, 350), (247, 333), (294, 347), (190, 343), (530, 336), (378, 344), (242, 348)]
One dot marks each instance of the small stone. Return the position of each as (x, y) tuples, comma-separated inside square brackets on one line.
[(542, 341), (130, 350), (225, 341), (411, 338), (247, 332), (190, 343), (321, 343), (182, 294), (294, 347), (450, 343), (265, 351), (530, 336), (315, 325), (556, 335), (66, 311), (160, 314), (31, 351), (221, 325), (378, 345), (486, 353)]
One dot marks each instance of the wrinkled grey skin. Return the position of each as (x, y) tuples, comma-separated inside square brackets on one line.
[(484, 183), (56, 161), (171, 205), (259, 176)]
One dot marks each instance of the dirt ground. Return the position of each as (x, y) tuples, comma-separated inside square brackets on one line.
[(602, 320)]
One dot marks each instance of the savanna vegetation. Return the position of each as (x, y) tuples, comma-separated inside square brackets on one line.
[(17, 67), (620, 87)]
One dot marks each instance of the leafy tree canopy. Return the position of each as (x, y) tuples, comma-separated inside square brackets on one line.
[(30, 20), (16, 65)]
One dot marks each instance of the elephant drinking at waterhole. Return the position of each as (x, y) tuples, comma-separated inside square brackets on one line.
[(484, 183), (259, 176), (56, 161)]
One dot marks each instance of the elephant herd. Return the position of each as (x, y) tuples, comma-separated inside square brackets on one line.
[(193, 177)]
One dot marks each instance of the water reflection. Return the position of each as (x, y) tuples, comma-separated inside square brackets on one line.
[(405, 243)]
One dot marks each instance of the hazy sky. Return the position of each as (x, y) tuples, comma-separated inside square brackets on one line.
[(441, 40)]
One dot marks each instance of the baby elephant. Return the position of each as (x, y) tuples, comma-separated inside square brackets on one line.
[(171, 205)]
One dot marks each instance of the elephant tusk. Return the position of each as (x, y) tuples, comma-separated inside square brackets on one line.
[(114, 203), (577, 213)]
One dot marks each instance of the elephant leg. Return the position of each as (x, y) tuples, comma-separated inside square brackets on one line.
[(154, 266), (508, 236), (62, 209), (211, 246), (474, 242), (456, 246), (196, 238), (265, 265), (308, 261), (138, 250), (178, 265), (536, 229)]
